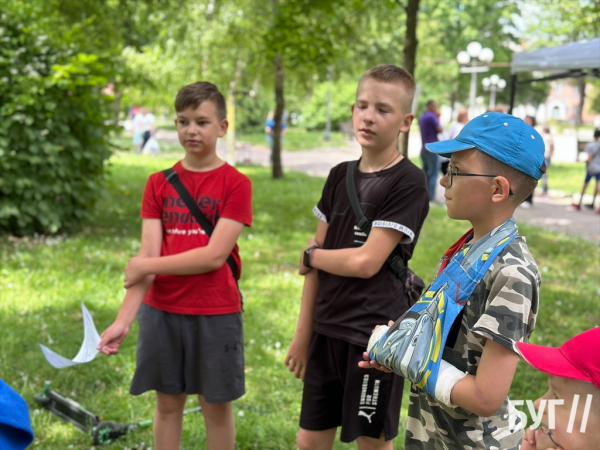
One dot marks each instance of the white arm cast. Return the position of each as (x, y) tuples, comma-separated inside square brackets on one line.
[(448, 376)]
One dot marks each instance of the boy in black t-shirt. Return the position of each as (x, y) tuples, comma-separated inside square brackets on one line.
[(353, 286)]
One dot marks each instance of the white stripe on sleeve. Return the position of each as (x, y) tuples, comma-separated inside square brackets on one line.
[(317, 212), (409, 235)]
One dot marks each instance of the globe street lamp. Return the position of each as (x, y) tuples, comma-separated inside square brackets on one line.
[(493, 84), (474, 52)]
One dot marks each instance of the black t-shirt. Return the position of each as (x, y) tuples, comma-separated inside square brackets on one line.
[(348, 308)]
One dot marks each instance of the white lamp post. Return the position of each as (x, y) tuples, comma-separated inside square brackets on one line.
[(474, 52), (493, 84)]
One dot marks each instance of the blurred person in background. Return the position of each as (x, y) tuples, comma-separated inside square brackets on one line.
[(429, 124), (592, 170), (549, 145)]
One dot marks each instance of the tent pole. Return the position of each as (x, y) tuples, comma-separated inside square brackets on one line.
[(513, 91)]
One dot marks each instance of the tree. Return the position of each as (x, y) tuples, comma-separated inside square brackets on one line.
[(410, 48), (562, 22), (447, 28), (52, 132)]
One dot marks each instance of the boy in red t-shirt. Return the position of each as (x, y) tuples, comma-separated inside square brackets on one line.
[(183, 292)]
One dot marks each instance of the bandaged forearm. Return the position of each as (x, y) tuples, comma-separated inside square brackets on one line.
[(447, 378)]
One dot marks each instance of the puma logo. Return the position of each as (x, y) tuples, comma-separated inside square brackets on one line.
[(368, 416), (229, 347)]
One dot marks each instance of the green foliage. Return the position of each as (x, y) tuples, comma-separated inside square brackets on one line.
[(52, 132), (594, 96), (314, 114), (446, 28), (555, 23), (251, 112)]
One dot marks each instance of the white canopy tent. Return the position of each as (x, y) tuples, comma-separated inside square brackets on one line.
[(578, 59)]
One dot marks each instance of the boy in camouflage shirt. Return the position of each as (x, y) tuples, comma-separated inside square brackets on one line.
[(495, 163)]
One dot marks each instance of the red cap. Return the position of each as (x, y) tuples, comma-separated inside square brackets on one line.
[(578, 358)]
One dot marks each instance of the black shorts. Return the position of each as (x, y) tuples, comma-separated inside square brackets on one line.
[(364, 402), (180, 353)]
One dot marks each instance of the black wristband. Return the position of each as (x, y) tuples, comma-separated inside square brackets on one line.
[(306, 259)]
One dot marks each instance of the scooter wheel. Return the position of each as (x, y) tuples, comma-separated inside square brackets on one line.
[(106, 432), (42, 400)]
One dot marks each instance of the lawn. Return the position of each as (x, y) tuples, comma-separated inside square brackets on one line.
[(43, 281), (297, 139), (567, 177)]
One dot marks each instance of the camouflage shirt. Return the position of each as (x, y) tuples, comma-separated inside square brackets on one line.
[(503, 308)]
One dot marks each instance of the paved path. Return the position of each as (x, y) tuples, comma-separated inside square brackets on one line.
[(553, 213)]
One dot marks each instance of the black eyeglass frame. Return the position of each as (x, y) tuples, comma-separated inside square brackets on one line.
[(460, 174)]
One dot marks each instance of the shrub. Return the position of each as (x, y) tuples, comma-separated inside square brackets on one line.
[(251, 112), (314, 114), (52, 132)]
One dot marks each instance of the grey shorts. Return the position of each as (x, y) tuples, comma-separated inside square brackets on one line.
[(180, 353)]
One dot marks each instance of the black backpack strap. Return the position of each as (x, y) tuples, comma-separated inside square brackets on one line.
[(361, 220), (174, 180), (395, 262)]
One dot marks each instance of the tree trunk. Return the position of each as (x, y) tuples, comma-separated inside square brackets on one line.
[(279, 99), (581, 85), (410, 53)]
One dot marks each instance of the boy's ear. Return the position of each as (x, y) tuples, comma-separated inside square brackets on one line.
[(352, 107), (500, 189), (223, 125), (406, 123)]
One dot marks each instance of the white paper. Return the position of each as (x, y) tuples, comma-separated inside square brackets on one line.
[(87, 352)]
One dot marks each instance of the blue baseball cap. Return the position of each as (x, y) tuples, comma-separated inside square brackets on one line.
[(503, 137), (15, 425)]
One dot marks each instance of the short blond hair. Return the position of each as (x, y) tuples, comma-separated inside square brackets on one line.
[(389, 73)]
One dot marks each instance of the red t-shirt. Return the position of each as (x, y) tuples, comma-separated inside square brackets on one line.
[(222, 192)]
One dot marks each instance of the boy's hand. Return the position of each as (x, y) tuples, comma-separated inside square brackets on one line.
[(302, 269), (368, 363), (111, 338), (530, 442), (134, 271), (297, 354)]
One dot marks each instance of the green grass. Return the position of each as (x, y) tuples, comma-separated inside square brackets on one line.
[(162, 125), (567, 177), (43, 281), (297, 139), (123, 143), (294, 139)]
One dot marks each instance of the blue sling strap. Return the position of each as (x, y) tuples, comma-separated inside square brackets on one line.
[(413, 345)]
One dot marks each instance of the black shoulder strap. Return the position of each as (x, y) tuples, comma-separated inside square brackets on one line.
[(173, 178), (395, 261), (361, 220)]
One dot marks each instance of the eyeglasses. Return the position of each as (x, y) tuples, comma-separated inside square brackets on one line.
[(451, 174)]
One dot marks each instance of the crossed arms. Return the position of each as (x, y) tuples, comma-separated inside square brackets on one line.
[(360, 262), (141, 270)]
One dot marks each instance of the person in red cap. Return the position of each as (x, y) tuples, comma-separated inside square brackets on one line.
[(573, 376)]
